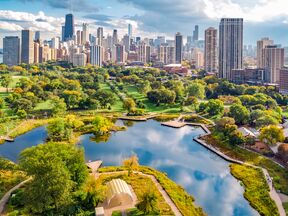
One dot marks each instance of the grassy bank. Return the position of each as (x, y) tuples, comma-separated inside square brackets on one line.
[(256, 189), (180, 197), (279, 174), (140, 185)]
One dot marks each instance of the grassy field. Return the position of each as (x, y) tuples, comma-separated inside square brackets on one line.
[(118, 105), (285, 205), (46, 105), (256, 189), (140, 185)]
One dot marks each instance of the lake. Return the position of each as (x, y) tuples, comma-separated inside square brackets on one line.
[(203, 174)]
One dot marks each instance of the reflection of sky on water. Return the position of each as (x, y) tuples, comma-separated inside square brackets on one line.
[(200, 172)]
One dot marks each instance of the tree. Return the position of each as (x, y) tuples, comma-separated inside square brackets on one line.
[(94, 193), (159, 96), (58, 106), (271, 135), (129, 104), (22, 104), (59, 130), (105, 98), (148, 203), (191, 101), (72, 98), (5, 81), (240, 113), (196, 89), (101, 125), (131, 164), (57, 171), (215, 107)]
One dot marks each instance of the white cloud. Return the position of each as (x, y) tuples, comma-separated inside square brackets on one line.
[(6, 26)]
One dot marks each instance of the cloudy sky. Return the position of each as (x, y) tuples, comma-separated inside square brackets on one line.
[(263, 18)]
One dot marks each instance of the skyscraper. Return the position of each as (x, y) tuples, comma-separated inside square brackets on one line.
[(126, 42), (27, 47), (273, 62), (210, 50), (100, 36), (85, 30), (196, 33), (130, 30), (261, 44), (115, 37), (178, 47), (230, 46), (37, 36), (118, 55), (96, 55), (79, 37), (11, 50), (69, 27), (144, 53)]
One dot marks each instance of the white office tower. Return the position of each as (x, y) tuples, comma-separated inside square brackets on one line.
[(100, 36), (96, 55), (55, 43), (85, 38)]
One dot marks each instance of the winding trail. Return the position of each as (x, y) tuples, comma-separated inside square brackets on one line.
[(6, 197)]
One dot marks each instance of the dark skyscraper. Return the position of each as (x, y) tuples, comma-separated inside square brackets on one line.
[(230, 46), (69, 27), (27, 47), (196, 33), (178, 48), (11, 50)]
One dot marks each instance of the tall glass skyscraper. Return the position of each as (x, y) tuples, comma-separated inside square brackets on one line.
[(69, 27), (178, 48), (230, 46)]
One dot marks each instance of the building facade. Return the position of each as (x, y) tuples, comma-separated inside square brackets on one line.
[(178, 48), (96, 55), (261, 44), (210, 50), (230, 46), (69, 28), (27, 47), (11, 50)]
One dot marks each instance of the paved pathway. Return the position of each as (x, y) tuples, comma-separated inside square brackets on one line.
[(6, 197)]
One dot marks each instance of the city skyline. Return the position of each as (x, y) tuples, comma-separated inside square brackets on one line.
[(147, 18)]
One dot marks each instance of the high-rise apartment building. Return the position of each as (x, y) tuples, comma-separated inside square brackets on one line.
[(115, 37), (273, 62), (118, 53), (85, 29), (96, 55), (11, 50), (126, 42), (210, 50), (36, 51), (261, 44), (178, 47), (100, 36), (230, 46), (283, 85), (79, 37), (27, 47), (166, 54), (37, 36), (69, 27), (144, 53)]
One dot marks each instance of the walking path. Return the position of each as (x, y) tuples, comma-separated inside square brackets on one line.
[(6, 197), (165, 195)]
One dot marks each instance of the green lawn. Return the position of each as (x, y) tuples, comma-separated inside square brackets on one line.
[(3, 94), (285, 205), (118, 105), (15, 79)]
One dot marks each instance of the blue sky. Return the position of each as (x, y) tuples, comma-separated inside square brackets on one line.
[(263, 18)]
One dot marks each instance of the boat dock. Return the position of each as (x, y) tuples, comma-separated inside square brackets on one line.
[(94, 165)]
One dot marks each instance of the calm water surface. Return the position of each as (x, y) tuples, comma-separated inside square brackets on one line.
[(202, 173)]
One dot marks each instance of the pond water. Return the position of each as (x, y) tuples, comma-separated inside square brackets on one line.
[(202, 173)]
